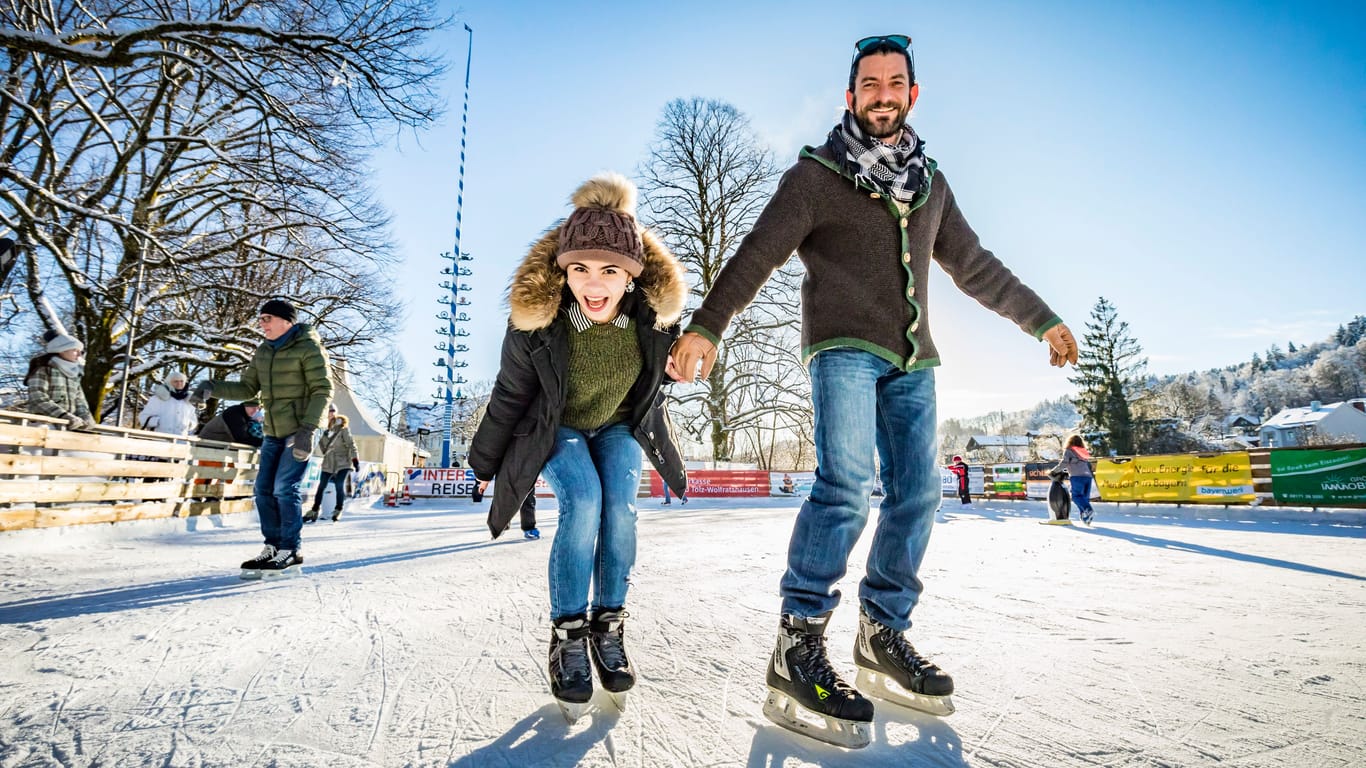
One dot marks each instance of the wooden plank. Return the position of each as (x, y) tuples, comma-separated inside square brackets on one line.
[(13, 464), (197, 473), (229, 507), (17, 491), (221, 491), (87, 514), (17, 519), (24, 417), (60, 439)]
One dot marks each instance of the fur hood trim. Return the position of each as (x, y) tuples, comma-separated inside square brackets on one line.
[(538, 285)]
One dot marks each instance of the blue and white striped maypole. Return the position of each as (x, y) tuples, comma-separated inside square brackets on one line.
[(454, 313)]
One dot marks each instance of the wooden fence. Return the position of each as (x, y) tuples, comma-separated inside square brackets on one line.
[(51, 476)]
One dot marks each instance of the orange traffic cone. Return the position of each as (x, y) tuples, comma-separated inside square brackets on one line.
[(391, 498), (407, 497)]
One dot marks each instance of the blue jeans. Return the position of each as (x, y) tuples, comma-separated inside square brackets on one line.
[(1081, 493), (595, 476), (338, 481), (862, 401), (278, 502)]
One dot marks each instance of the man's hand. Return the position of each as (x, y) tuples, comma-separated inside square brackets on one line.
[(303, 443), (687, 352), (355, 464), (1062, 347), (202, 391)]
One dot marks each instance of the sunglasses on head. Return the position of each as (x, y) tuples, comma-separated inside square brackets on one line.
[(900, 41)]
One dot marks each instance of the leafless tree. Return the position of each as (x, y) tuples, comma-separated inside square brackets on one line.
[(706, 179), (186, 161), (385, 385)]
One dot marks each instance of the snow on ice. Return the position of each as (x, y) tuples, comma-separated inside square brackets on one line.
[(1160, 637)]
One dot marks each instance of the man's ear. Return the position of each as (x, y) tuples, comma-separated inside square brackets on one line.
[(915, 93), (849, 100)]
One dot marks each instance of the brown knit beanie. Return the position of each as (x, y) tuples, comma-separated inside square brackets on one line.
[(603, 225)]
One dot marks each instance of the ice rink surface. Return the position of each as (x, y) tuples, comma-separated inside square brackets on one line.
[(1159, 637)]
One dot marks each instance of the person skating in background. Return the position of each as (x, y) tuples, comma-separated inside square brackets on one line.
[(169, 410), (1076, 462), (959, 468), (239, 423), (594, 308), (865, 212), (339, 454), (288, 375), (54, 382)]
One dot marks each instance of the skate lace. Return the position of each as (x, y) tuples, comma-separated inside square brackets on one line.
[(267, 553), (611, 650), (571, 656), (906, 654), (818, 664)]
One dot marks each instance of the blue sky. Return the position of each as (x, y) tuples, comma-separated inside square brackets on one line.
[(1200, 164)]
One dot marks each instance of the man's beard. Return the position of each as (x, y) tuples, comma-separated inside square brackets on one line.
[(890, 126)]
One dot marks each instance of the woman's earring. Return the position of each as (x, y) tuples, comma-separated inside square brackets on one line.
[(631, 286)]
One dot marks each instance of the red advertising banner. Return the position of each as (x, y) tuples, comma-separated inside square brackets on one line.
[(719, 482)]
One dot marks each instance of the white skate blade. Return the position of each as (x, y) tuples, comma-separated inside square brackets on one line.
[(618, 699), (787, 712), (291, 572), (250, 574), (573, 710), (883, 687)]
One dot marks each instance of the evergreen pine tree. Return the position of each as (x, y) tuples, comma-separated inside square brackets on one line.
[(1110, 372)]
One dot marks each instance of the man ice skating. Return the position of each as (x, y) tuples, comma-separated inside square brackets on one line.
[(289, 376), (865, 212)]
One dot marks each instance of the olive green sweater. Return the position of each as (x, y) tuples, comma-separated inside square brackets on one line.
[(867, 265), (604, 361)]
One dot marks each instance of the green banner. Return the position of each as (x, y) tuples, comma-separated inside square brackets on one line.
[(1319, 477)]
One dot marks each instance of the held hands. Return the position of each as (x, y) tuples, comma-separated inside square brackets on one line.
[(303, 443), (1062, 347), (690, 351)]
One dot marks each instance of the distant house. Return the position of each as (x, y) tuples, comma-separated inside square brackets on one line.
[(989, 448), (1242, 424), (1345, 421)]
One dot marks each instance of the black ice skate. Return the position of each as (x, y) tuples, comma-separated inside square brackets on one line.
[(890, 669), (609, 655), (286, 563), (571, 677), (251, 569), (806, 695)]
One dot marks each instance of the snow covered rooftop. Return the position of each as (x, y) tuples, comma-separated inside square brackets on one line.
[(1300, 417), (998, 441)]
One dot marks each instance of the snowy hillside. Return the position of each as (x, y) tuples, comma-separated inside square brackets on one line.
[(416, 641)]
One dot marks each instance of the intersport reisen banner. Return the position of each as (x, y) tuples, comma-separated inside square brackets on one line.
[(1319, 476)]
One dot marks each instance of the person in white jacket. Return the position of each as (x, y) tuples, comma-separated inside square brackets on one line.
[(169, 409)]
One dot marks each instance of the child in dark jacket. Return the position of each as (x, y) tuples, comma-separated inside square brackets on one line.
[(594, 310)]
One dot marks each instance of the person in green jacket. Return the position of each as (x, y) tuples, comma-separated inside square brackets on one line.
[(289, 376), (339, 458)]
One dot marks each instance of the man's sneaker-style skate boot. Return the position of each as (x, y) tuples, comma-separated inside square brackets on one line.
[(571, 676), (287, 562), (251, 569), (609, 655), (889, 668), (806, 695)]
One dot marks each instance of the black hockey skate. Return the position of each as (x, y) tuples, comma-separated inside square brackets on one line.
[(609, 655), (251, 569), (286, 563), (892, 670), (806, 695), (571, 677)]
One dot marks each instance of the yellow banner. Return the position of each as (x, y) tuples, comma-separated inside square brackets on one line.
[(1224, 478)]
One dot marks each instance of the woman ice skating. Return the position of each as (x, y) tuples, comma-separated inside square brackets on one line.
[(1076, 462), (339, 459), (594, 309)]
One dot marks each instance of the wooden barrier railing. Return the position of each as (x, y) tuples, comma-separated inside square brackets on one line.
[(50, 476)]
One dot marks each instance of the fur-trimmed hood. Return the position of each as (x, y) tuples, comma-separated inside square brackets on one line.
[(537, 288)]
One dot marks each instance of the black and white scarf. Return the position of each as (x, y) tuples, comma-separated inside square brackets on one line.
[(897, 170)]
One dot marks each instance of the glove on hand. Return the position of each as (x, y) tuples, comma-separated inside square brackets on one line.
[(202, 391), (75, 422), (1062, 347), (355, 464), (303, 443)]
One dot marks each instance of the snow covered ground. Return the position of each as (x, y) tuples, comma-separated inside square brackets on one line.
[(1153, 639)]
